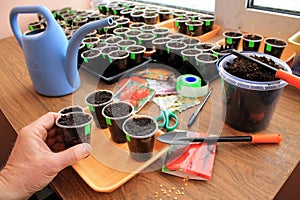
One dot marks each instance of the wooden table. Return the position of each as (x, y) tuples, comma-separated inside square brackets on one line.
[(241, 171)]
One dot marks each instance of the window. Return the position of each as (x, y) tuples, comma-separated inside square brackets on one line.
[(235, 15), (204, 6), (288, 7)]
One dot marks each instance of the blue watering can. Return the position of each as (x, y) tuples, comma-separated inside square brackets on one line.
[(50, 58)]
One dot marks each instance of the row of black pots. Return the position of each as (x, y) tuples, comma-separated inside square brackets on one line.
[(252, 42), (194, 27)]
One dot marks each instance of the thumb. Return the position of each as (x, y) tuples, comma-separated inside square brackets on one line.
[(73, 154)]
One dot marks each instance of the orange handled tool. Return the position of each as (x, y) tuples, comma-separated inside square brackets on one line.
[(279, 73), (266, 138)]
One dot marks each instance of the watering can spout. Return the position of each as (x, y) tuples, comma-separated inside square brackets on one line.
[(77, 37)]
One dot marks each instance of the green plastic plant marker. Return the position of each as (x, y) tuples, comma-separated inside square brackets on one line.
[(88, 46), (251, 44), (268, 47), (110, 60), (105, 29), (191, 28), (140, 42), (207, 23), (176, 24), (85, 60), (108, 121), (197, 63), (115, 12), (128, 138), (168, 50), (100, 7), (54, 15), (107, 9), (103, 56), (216, 54), (30, 27), (183, 58), (87, 129), (229, 40), (132, 56), (92, 108)]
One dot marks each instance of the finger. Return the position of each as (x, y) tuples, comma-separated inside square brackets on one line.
[(47, 121), (73, 154)]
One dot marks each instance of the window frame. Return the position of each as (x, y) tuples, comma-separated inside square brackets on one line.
[(250, 4)]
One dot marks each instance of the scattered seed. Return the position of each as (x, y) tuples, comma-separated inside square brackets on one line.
[(175, 197), (182, 188), (185, 184), (173, 188), (160, 185), (182, 193), (168, 195)]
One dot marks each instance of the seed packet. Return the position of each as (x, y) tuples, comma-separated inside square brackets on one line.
[(135, 93), (194, 161)]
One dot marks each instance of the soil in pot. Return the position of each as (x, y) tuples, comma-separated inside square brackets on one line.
[(176, 37), (232, 38), (165, 14), (136, 25), (110, 29), (179, 24), (105, 62), (191, 42), (206, 65), (112, 41), (118, 60), (160, 49), (194, 28), (189, 61), (103, 37), (192, 16), (121, 32), (126, 13), (160, 32), (250, 109), (123, 22), (137, 16), (123, 44), (91, 59), (174, 48), (179, 13), (205, 47), (220, 51), (147, 28), (132, 34), (90, 42), (150, 17), (146, 39), (74, 128), (274, 46), (208, 23), (251, 42), (140, 132), (96, 101), (70, 109), (116, 114), (117, 10), (136, 54)]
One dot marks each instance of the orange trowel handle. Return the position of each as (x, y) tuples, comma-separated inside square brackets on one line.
[(266, 138), (288, 77)]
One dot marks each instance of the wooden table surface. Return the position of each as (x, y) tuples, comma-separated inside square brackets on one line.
[(241, 171)]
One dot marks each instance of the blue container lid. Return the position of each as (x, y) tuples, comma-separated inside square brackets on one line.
[(247, 84)]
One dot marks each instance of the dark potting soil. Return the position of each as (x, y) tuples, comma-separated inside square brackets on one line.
[(249, 70), (117, 110), (190, 41), (233, 34), (71, 109), (204, 46), (118, 54), (252, 37), (73, 119), (135, 49), (276, 42), (206, 57), (140, 126), (99, 97)]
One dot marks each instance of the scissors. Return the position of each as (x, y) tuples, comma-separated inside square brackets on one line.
[(165, 116)]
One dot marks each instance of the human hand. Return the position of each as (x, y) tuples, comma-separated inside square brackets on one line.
[(32, 165)]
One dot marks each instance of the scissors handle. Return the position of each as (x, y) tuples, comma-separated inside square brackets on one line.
[(169, 116), (162, 118)]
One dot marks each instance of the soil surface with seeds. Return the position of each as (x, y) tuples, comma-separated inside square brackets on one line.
[(73, 119), (99, 97), (117, 110), (140, 126), (71, 109), (249, 70)]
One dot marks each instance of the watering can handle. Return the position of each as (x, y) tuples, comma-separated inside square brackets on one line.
[(28, 9)]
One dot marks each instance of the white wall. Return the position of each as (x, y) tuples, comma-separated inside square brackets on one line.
[(24, 19)]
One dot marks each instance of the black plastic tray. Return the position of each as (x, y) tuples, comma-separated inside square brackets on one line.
[(149, 62)]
